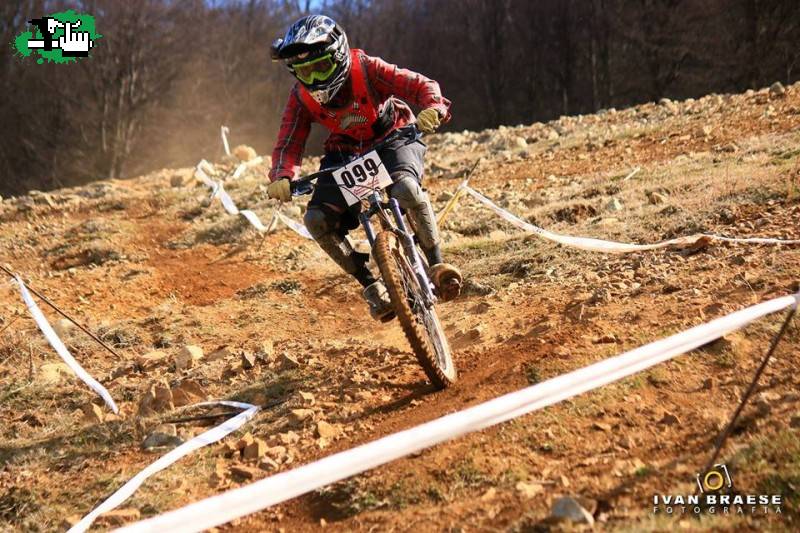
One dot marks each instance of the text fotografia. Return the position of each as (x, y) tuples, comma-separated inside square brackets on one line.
[(726, 504)]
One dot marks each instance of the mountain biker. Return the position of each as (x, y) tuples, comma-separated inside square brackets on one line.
[(360, 99)]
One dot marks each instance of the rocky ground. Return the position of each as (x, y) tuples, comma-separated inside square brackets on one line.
[(199, 305)]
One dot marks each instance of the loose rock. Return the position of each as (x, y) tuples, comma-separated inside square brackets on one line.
[(277, 453), (246, 440), (288, 362), (162, 400), (157, 398), (600, 426), (528, 490), (188, 356), (520, 143), (255, 450), (568, 508), (248, 360), (163, 436), (244, 153), (267, 350), (267, 463), (307, 397), (289, 437), (614, 205), (777, 89), (118, 517), (326, 430), (92, 413), (607, 338), (489, 494), (55, 373), (244, 473), (626, 442), (669, 419), (63, 326), (669, 105), (220, 353), (152, 359), (298, 416), (188, 392)]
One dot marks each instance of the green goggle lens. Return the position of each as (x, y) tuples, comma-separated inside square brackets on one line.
[(318, 69)]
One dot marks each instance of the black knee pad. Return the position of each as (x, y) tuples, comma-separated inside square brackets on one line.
[(318, 221), (408, 192)]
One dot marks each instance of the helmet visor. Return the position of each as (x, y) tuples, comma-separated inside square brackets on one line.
[(317, 69)]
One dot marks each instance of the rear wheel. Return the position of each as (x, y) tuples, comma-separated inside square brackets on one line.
[(420, 324)]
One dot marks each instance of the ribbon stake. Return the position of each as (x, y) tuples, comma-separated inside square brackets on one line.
[(61, 349)]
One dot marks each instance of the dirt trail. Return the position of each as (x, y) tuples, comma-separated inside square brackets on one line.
[(152, 267)]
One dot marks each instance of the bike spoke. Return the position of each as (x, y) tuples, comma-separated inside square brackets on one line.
[(426, 317), (418, 320)]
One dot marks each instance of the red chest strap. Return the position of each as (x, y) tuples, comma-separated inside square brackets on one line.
[(356, 118)]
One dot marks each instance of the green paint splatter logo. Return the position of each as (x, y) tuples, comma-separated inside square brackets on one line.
[(61, 37)]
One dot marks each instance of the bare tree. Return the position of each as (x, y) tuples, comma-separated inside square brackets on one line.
[(167, 73)]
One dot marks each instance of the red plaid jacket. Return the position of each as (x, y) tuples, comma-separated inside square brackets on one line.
[(387, 82)]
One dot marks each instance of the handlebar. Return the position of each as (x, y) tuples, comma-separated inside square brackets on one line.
[(304, 184)]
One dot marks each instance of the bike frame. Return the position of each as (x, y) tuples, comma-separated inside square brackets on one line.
[(378, 207)]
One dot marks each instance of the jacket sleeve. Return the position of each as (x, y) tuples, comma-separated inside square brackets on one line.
[(391, 80), (292, 135)]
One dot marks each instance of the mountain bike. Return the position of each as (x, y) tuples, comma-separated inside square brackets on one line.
[(364, 181)]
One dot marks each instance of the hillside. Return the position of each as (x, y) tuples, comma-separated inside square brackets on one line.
[(151, 265)]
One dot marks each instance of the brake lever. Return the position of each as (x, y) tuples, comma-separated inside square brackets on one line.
[(301, 189)]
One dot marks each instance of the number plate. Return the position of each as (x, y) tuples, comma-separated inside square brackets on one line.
[(361, 176)]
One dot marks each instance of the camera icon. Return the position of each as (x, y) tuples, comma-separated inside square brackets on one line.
[(714, 479)]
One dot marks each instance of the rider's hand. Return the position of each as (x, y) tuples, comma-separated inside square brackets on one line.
[(280, 190), (428, 120)]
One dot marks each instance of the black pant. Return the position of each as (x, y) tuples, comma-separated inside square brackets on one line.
[(400, 157)]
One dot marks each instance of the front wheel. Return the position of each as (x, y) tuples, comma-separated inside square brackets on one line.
[(420, 324)]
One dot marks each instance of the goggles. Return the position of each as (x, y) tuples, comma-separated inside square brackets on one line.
[(314, 70)]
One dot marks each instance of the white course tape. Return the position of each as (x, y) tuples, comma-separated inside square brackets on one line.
[(218, 191), (206, 166), (251, 498), (209, 437), (245, 165), (632, 173), (61, 349), (230, 207), (201, 171), (293, 225), (752, 240), (239, 169), (224, 131), (253, 219), (599, 245)]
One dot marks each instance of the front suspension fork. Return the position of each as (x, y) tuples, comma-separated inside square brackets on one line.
[(407, 239)]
